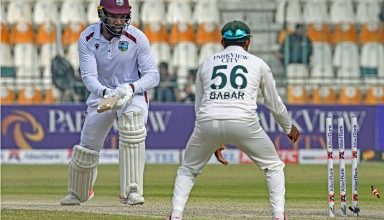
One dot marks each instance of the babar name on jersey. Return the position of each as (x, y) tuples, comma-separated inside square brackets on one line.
[(226, 95)]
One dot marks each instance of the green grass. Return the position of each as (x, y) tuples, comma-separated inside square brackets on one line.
[(233, 192)]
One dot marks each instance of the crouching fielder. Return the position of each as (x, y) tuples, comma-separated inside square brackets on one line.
[(227, 85), (115, 61)]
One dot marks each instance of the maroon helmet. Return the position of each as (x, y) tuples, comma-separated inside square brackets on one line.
[(108, 8), (116, 6)]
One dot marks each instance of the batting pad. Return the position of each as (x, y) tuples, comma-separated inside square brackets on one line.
[(82, 171), (131, 152)]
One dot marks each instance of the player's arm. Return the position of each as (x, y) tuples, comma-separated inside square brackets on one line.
[(199, 89), (88, 69), (150, 76), (274, 103)]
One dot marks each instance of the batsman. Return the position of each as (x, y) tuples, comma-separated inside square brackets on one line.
[(117, 67)]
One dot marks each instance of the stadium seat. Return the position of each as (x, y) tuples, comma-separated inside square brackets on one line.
[(185, 55), (371, 57), (345, 32), (161, 52), (154, 22), (209, 49), (47, 53), (367, 12), (293, 14), (182, 77), (25, 60), (346, 61), (297, 73), (19, 17), (6, 55), (73, 56), (341, 12), (8, 93), (51, 94), (350, 95), (179, 17), (45, 16), (72, 17), (29, 95), (318, 32), (92, 15), (28, 92), (321, 61), (371, 32), (4, 39), (135, 13), (19, 11), (375, 95), (207, 16), (315, 12), (297, 95), (323, 95)]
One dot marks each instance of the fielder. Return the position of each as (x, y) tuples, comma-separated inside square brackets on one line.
[(227, 86), (115, 61)]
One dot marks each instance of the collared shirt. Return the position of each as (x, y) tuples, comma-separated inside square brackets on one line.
[(122, 60), (227, 85)]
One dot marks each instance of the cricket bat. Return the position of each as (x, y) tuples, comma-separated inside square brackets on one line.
[(107, 104)]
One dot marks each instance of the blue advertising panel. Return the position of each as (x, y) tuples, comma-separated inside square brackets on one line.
[(169, 126)]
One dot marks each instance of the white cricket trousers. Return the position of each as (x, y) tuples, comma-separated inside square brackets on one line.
[(248, 137), (97, 125)]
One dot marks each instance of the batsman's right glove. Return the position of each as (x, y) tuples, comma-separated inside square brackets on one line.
[(124, 93)]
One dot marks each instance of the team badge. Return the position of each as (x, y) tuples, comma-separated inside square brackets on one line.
[(120, 2), (123, 45)]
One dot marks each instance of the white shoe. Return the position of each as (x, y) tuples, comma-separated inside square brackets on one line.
[(280, 216), (133, 199), (72, 199), (175, 215)]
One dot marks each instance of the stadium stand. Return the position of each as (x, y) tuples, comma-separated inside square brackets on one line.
[(345, 67)]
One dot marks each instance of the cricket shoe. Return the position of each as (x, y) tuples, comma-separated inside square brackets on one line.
[(280, 216), (133, 199), (72, 199), (176, 215)]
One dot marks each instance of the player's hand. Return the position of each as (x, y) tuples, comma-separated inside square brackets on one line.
[(219, 155), (124, 93), (294, 134)]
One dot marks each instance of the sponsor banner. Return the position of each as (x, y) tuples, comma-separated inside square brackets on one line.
[(170, 125), (231, 155), (107, 156), (319, 156), (287, 156), (162, 157), (380, 128), (371, 155), (34, 156)]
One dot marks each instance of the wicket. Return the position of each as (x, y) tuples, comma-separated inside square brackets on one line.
[(343, 182)]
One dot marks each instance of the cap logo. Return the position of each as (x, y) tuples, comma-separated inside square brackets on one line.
[(230, 34), (120, 2)]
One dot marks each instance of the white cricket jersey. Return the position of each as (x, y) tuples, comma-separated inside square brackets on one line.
[(123, 60), (227, 84)]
